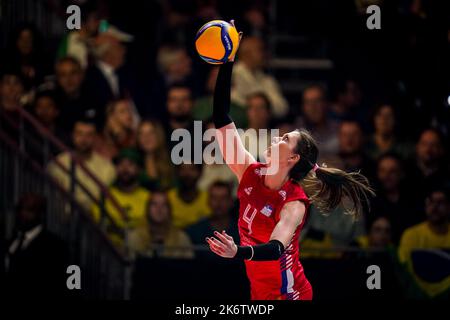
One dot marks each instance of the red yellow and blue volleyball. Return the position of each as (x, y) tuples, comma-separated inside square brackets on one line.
[(216, 41)]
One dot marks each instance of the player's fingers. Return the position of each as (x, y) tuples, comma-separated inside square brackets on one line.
[(224, 239), (214, 248), (232, 23), (227, 236), (218, 243)]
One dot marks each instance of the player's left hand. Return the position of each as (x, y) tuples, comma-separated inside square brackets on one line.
[(223, 245)]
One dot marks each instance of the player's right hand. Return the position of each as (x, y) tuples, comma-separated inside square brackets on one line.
[(231, 58), (223, 245)]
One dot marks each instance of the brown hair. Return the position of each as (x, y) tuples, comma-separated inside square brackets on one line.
[(328, 187), (163, 164)]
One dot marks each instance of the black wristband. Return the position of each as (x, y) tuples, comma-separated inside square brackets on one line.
[(269, 251)]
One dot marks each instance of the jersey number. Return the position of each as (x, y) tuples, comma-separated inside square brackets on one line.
[(249, 217)]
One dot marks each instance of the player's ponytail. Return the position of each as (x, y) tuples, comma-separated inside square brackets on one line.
[(328, 187)]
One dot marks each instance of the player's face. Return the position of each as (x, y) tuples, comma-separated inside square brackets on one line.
[(285, 147)]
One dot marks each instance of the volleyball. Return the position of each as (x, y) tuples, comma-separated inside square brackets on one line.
[(216, 41)]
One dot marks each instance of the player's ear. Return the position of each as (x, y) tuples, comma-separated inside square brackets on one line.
[(294, 158)]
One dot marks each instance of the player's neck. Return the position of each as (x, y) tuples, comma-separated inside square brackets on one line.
[(276, 181)]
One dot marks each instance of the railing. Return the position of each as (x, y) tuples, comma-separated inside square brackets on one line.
[(24, 153)]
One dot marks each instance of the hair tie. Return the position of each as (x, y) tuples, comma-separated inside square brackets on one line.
[(316, 166)]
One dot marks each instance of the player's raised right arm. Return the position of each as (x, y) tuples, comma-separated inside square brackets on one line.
[(233, 151)]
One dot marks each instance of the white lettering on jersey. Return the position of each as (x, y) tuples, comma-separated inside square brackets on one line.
[(249, 218)]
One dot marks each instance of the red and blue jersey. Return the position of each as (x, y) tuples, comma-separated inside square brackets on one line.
[(259, 212)]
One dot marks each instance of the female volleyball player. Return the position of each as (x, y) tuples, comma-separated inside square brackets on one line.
[(273, 207)]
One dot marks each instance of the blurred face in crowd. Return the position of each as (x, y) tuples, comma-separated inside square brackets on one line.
[(83, 137), (91, 24), (389, 173), (220, 200), (380, 233), (30, 211), (437, 208), (158, 211), (69, 77), (314, 105), (258, 112), (252, 52), (24, 42), (350, 138), (149, 138), (11, 90), (189, 174), (352, 96), (122, 114), (46, 110), (127, 172), (384, 120), (179, 103), (180, 67), (115, 55), (429, 148)]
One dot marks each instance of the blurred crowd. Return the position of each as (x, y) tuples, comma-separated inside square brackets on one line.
[(116, 111)]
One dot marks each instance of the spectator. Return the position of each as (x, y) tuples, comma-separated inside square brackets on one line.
[(158, 237), (257, 137), (11, 92), (220, 201), (379, 234), (83, 137), (433, 233), (78, 43), (25, 56), (47, 112), (106, 80), (249, 77), (385, 138), (119, 131), (189, 204), (131, 197), (347, 103), (36, 259), (202, 108), (315, 119), (158, 170), (351, 156), (430, 167), (214, 167), (179, 108), (174, 67), (71, 95), (392, 197)]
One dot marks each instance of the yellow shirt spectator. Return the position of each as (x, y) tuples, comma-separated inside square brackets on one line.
[(186, 214), (134, 204), (421, 237)]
